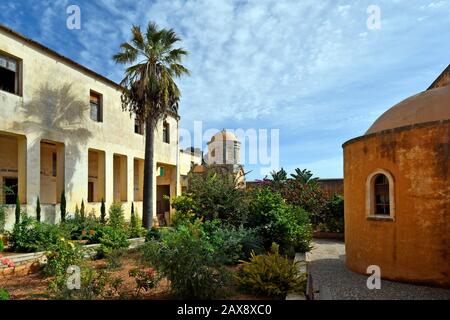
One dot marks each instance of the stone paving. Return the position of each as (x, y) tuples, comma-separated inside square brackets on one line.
[(336, 282)]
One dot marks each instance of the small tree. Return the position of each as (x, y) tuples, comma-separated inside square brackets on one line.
[(63, 206), (38, 210), (116, 216), (103, 212), (17, 210), (82, 213), (77, 212)]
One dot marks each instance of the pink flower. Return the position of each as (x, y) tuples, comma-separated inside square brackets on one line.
[(11, 264)]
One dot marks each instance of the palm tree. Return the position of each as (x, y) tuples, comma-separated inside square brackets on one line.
[(149, 89), (304, 176)]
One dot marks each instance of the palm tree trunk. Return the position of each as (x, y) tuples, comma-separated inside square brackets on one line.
[(147, 214)]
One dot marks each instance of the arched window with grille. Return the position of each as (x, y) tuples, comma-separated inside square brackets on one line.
[(380, 195)]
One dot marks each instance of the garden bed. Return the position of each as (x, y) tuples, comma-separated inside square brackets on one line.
[(34, 286)]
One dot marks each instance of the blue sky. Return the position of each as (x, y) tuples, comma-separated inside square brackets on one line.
[(310, 68)]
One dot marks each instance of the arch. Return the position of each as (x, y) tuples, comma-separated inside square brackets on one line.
[(380, 196)]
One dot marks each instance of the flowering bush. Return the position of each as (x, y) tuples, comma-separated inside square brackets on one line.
[(6, 262), (61, 255), (146, 279)]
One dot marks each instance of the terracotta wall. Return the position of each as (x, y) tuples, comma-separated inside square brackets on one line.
[(416, 245)]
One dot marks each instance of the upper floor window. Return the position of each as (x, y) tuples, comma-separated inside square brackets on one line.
[(96, 106), (380, 195), (166, 132), (9, 74), (138, 127), (213, 153)]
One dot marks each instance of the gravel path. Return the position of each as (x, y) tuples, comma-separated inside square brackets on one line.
[(336, 282)]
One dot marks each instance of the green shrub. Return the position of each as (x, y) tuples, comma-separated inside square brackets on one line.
[(115, 257), (272, 275), (135, 229), (93, 285), (111, 239), (60, 256), (4, 294), (215, 196), (153, 234), (29, 235), (145, 279), (116, 216), (185, 209), (82, 229), (232, 243), (190, 262), (279, 222), (2, 245), (333, 218)]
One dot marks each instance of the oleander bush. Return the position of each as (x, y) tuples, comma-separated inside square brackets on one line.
[(272, 275)]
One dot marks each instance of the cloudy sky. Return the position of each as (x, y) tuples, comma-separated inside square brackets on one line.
[(310, 68)]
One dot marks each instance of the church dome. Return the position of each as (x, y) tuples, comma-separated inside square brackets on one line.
[(224, 136), (428, 106)]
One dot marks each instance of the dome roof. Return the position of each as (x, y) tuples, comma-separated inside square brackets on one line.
[(427, 106), (224, 135)]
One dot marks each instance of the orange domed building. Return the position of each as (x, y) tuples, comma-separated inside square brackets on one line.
[(397, 191)]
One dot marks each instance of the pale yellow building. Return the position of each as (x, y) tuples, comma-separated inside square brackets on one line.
[(62, 128)]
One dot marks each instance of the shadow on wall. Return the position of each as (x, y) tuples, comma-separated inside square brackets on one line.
[(56, 114)]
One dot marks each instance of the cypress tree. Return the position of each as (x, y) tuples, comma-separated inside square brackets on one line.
[(17, 210), (63, 207), (38, 210), (103, 212), (77, 212), (82, 214)]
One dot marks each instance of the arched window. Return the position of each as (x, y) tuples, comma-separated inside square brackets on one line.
[(380, 195)]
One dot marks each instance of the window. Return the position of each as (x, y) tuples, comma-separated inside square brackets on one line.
[(54, 164), (381, 190), (166, 132), (96, 107), (138, 127), (9, 74), (380, 195), (213, 153)]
